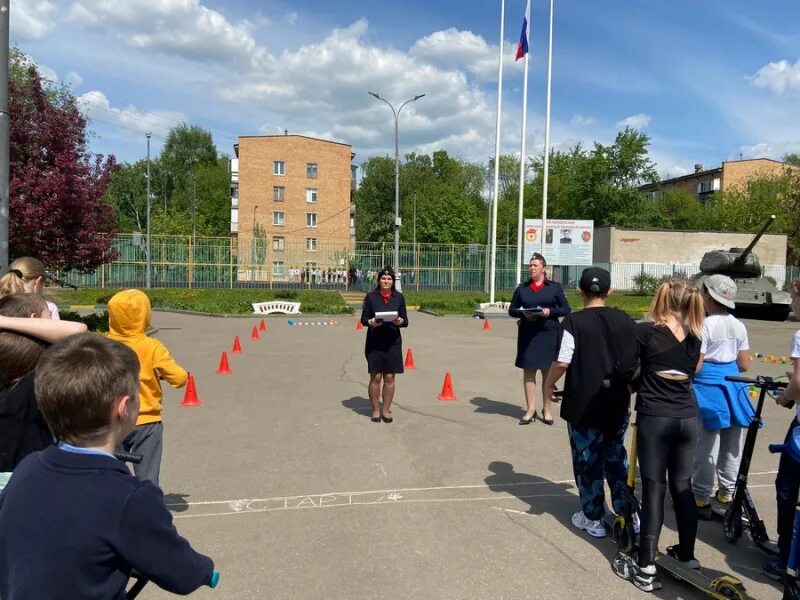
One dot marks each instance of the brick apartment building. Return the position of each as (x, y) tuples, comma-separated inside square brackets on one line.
[(704, 182), (296, 193)]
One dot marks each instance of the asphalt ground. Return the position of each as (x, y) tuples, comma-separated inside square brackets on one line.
[(282, 478)]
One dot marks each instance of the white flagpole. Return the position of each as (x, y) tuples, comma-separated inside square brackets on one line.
[(547, 129), (497, 155), (520, 222)]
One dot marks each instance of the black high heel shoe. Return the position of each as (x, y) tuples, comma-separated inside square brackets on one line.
[(387, 419), (543, 420), (375, 419), (528, 421)]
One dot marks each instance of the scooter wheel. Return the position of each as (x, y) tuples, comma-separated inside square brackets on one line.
[(622, 535), (730, 590), (732, 526)]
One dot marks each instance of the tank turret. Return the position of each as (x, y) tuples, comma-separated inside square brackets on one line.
[(757, 296)]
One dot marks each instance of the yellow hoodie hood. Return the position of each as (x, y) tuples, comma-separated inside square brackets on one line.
[(128, 321), (128, 313)]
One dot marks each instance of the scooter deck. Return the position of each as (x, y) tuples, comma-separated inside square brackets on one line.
[(722, 587)]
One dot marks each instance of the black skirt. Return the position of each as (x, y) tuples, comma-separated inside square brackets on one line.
[(384, 350)]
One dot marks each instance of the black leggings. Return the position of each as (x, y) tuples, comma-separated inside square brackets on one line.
[(666, 445)]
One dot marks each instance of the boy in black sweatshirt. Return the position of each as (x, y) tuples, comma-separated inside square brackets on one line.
[(73, 521), (597, 351)]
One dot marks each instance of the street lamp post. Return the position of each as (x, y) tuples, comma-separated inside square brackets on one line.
[(396, 114), (149, 260)]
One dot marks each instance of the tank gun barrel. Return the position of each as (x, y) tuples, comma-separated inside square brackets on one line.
[(743, 256)]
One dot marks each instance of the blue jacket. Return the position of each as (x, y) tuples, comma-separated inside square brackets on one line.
[(74, 525), (722, 403)]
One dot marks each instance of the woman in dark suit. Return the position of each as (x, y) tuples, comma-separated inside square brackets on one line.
[(538, 329), (384, 346)]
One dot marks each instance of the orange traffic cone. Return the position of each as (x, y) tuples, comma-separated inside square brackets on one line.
[(237, 346), (190, 397), (409, 360), (224, 367), (486, 326), (254, 335), (359, 326), (447, 389), (262, 326)]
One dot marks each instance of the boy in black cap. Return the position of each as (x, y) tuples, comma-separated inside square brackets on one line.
[(597, 351)]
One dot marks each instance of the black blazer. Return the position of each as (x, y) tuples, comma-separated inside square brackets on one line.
[(386, 334)]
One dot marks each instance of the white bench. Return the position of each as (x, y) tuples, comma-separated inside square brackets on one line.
[(276, 306), (498, 305)]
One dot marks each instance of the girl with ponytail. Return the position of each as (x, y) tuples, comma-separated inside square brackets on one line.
[(669, 350), (26, 275)]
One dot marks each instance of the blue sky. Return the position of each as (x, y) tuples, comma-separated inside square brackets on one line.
[(707, 81)]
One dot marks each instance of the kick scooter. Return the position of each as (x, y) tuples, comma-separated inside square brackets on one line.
[(723, 587), (742, 509), (791, 582), (140, 580)]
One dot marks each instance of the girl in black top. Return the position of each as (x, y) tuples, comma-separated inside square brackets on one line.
[(669, 351), (384, 345), (537, 333)]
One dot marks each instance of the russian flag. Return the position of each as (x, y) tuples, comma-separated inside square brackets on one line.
[(522, 47)]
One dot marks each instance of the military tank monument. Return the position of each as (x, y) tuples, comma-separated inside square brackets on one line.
[(757, 297)]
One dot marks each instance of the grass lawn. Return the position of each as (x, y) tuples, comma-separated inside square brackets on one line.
[(237, 302)]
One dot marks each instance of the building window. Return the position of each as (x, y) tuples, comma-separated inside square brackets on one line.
[(277, 268), (277, 244), (705, 186), (311, 244), (279, 218), (235, 191), (311, 194), (311, 170), (278, 192), (278, 167), (311, 219)]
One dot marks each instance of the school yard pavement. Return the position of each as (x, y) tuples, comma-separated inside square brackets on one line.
[(283, 479)]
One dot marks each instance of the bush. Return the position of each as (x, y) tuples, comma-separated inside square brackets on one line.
[(645, 284), (97, 323)]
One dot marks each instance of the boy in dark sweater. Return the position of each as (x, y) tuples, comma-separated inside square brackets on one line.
[(73, 521), (597, 351)]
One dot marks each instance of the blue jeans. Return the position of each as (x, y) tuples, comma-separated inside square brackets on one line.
[(787, 487), (599, 455)]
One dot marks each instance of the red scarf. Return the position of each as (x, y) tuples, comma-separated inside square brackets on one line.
[(386, 296), (536, 287)]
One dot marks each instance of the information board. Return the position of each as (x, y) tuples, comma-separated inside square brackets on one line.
[(566, 241)]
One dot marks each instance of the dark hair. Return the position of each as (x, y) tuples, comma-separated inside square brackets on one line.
[(19, 353), (539, 257), (77, 381)]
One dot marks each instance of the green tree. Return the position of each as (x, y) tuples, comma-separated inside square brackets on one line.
[(793, 158), (677, 209)]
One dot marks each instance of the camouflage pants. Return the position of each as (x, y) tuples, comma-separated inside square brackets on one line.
[(599, 455)]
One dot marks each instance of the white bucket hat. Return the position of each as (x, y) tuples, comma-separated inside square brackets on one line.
[(722, 289)]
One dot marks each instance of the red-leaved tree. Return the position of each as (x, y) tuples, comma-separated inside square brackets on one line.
[(55, 186)]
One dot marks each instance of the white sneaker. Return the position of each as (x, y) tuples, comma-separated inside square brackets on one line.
[(593, 528)]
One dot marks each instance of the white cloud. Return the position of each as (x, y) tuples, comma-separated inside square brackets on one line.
[(456, 49), (31, 19), (182, 27), (639, 121), (779, 77), (579, 120), (73, 79), (291, 18), (96, 105), (46, 72)]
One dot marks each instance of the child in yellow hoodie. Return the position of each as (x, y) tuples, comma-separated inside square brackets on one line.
[(128, 319)]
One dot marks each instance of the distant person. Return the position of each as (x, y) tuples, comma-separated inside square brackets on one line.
[(26, 275), (26, 331), (725, 409), (537, 303), (566, 236), (384, 344), (128, 322), (73, 521), (597, 351)]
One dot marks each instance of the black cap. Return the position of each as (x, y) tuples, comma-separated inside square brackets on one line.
[(387, 270), (595, 280)]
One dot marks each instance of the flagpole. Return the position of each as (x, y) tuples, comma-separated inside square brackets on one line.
[(547, 128), (520, 222), (497, 155)]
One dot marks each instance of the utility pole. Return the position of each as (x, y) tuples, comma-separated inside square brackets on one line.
[(4, 134), (149, 247)]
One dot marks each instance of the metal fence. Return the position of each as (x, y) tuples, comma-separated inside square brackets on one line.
[(272, 261)]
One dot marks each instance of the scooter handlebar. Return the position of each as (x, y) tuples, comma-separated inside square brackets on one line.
[(128, 457), (213, 580), (762, 381), (777, 448)]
